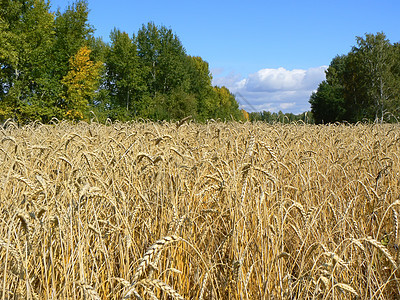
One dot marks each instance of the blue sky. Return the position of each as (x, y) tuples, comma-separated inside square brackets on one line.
[(273, 53)]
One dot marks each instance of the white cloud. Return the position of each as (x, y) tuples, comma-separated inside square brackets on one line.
[(269, 80), (314, 76), (233, 81), (286, 105), (274, 89)]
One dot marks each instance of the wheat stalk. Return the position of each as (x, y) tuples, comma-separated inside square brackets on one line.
[(64, 221), (382, 248)]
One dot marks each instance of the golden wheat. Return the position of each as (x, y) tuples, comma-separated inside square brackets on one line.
[(230, 211)]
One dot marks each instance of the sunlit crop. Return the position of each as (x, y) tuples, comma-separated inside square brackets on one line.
[(199, 211)]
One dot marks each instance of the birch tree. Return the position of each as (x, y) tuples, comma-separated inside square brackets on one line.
[(375, 63)]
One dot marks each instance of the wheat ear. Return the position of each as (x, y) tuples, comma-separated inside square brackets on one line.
[(396, 225), (203, 285), (382, 248), (146, 259), (347, 288), (162, 286), (90, 291)]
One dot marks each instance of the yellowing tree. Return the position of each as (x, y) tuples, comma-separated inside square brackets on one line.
[(246, 115), (80, 84), (227, 106)]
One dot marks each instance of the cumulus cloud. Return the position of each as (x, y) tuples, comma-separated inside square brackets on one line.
[(274, 89), (270, 80), (286, 105)]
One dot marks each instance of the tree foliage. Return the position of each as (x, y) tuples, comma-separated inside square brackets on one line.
[(327, 104), (52, 66), (26, 40), (80, 83), (226, 106), (123, 75), (362, 85), (72, 31), (150, 75)]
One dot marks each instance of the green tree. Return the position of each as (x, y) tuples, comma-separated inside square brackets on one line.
[(364, 84), (148, 43), (357, 102), (72, 31), (124, 79), (163, 59), (172, 63), (173, 78), (200, 86), (174, 106), (375, 60), (27, 36), (180, 104), (50, 66), (34, 54), (328, 102)]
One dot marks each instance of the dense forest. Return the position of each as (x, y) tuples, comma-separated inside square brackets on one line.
[(363, 85), (53, 66)]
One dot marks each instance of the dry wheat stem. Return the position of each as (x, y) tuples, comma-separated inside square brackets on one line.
[(81, 203)]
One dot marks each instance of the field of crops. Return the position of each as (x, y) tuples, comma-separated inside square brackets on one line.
[(199, 211)]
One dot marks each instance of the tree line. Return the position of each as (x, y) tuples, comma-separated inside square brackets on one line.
[(52, 66), (280, 117), (363, 85)]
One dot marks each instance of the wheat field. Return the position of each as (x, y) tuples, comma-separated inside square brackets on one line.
[(146, 210)]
